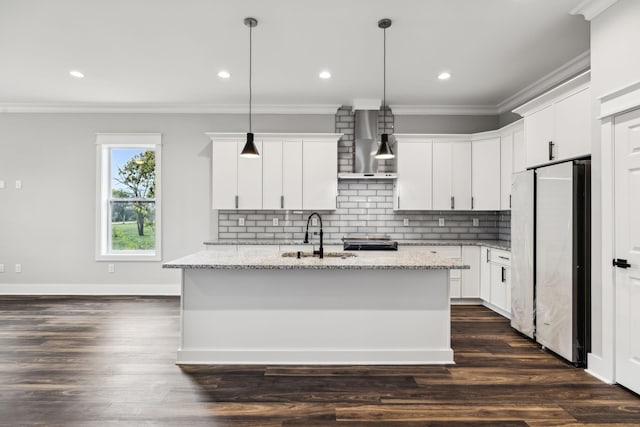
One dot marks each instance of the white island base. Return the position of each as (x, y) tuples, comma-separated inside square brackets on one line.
[(315, 316)]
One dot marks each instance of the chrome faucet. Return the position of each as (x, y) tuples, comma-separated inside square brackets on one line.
[(319, 252)]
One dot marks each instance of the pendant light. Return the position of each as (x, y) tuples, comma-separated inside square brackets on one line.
[(250, 149), (384, 149)]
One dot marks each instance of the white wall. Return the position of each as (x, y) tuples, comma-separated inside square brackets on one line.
[(444, 124), (615, 63), (49, 225)]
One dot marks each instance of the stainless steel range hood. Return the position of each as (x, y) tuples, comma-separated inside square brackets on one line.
[(366, 144)]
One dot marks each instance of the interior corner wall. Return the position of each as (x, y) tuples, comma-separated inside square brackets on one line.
[(444, 124), (507, 118), (49, 225), (614, 65)]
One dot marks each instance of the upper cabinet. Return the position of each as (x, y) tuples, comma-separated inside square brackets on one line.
[(451, 175), (485, 172), (414, 186), (558, 123), (294, 171)]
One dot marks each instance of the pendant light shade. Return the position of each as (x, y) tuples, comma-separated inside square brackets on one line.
[(384, 149), (250, 150)]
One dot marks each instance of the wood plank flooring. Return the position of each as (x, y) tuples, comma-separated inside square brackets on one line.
[(107, 361)]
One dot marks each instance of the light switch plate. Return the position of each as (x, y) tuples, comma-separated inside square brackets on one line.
[(441, 222), (1, 268), (18, 184), (18, 268), (314, 221), (240, 222), (476, 222), (111, 268), (405, 222), (275, 222), (1, 184)]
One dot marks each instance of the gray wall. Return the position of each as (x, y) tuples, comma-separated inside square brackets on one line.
[(507, 118), (445, 124), (49, 225)]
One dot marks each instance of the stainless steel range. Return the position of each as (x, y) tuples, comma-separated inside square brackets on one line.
[(369, 242)]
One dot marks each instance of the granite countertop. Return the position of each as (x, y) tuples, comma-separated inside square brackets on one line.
[(494, 244), (391, 260)]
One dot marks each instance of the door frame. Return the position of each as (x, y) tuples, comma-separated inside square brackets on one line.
[(609, 106)]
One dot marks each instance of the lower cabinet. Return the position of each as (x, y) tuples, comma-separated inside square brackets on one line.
[(499, 285)]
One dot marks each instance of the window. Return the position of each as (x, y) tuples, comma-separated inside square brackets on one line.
[(128, 224)]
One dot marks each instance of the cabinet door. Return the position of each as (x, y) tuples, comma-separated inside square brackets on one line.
[(224, 174), (519, 154), (442, 176), (272, 168), (507, 284), (249, 179), (485, 274), (506, 169), (461, 181), (320, 175), (486, 174), (470, 286), (539, 130), (573, 126), (414, 183), (498, 286), (292, 174)]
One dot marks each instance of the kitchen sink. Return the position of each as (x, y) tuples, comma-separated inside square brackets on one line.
[(343, 255)]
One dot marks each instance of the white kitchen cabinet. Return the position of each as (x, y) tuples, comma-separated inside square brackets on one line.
[(249, 179), (282, 174), (486, 174), (451, 175), (224, 173), (506, 169), (558, 123), (499, 286), (320, 174), (495, 279), (470, 279), (485, 274), (519, 153), (413, 188)]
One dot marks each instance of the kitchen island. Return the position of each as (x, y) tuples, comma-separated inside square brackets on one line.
[(241, 307)]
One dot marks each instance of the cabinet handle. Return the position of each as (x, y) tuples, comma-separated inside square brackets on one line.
[(551, 150), (488, 252), (281, 202), (453, 202), (398, 202), (503, 275), (503, 257), (472, 203), (237, 201), (509, 201)]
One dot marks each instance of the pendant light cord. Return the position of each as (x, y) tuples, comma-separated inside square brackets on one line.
[(250, 56), (384, 81)]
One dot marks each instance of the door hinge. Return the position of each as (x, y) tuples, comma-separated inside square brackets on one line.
[(621, 263)]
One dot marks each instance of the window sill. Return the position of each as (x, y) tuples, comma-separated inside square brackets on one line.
[(129, 257)]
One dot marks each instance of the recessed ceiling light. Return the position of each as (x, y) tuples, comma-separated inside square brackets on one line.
[(224, 74), (325, 75), (77, 74), (444, 76)]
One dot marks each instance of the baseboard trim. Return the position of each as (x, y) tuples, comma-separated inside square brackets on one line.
[(315, 357), (466, 301), (497, 309), (161, 289), (596, 367)]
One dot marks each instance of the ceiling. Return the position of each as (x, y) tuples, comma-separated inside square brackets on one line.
[(151, 52)]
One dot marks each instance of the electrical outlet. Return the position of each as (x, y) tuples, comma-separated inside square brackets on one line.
[(111, 268), (1, 268), (240, 222), (18, 184), (441, 222), (18, 268), (1, 184), (405, 222), (314, 221), (275, 222), (476, 222)]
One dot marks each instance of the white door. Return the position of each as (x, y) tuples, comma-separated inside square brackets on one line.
[(271, 174), (627, 237), (414, 183), (573, 126), (320, 174), (538, 128), (506, 168), (442, 175), (292, 174), (224, 174), (486, 175), (461, 180), (249, 178)]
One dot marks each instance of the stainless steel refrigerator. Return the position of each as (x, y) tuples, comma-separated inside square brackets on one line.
[(551, 254)]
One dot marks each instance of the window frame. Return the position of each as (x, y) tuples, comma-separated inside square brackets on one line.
[(105, 143)]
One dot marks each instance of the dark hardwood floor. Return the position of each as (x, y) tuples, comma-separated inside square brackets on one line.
[(106, 361)]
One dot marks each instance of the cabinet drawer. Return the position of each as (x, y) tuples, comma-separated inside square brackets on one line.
[(500, 257)]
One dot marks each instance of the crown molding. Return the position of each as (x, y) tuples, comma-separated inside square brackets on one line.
[(434, 110), (572, 68), (590, 9), (168, 108)]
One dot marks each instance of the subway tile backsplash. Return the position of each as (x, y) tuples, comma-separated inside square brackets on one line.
[(365, 206)]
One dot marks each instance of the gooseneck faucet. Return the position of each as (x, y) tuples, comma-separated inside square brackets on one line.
[(319, 252)]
